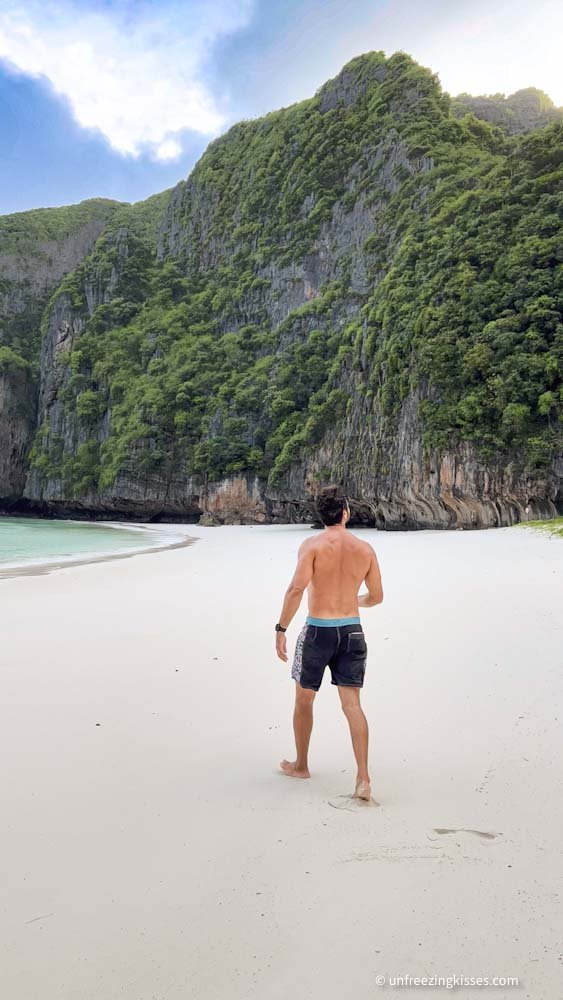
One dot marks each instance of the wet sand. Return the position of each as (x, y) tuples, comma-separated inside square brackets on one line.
[(150, 850)]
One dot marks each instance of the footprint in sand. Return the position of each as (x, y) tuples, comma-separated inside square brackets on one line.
[(351, 803), (399, 853), (484, 834)]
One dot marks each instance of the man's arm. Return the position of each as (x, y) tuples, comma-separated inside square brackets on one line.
[(299, 582), (373, 583)]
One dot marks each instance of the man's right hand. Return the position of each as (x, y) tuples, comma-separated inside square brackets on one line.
[(281, 646)]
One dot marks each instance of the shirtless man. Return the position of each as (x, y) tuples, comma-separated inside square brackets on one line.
[(331, 565)]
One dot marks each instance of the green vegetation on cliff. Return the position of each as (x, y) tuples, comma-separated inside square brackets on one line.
[(197, 360), (473, 302), (30, 243), (24, 232)]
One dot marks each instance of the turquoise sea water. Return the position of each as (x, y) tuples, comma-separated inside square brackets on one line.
[(25, 541)]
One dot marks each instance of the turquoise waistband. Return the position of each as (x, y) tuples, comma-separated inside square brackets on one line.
[(331, 621)]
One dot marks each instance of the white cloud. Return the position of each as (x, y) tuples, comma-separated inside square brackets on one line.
[(133, 71), (169, 149)]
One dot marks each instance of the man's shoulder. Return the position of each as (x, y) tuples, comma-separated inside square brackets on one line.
[(363, 546), (307, 544)]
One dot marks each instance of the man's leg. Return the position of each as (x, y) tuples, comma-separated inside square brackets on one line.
[(350, 699), (302, 726)]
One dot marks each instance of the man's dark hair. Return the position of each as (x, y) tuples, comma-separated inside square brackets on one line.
[(331, 503)]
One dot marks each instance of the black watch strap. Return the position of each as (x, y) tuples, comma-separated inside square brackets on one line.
[(280, 628)]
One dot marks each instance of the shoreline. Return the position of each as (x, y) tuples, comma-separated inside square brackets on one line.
[(9, 571)]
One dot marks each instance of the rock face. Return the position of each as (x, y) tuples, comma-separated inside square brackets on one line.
[(17, 423), (446, 489), (280, 262), (37, 249)]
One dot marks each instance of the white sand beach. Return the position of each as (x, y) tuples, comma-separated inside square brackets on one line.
[(151, 850)]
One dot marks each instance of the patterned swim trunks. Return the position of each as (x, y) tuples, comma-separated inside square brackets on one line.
[(338, 643)]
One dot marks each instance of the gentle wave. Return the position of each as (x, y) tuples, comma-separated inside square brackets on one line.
[(27, 542)]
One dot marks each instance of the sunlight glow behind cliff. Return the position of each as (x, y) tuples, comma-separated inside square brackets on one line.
[(498, 48)]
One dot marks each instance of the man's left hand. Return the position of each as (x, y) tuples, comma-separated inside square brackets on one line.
[(281, 646)]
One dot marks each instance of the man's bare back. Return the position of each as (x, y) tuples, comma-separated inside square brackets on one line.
[(332, 567), (340, 564)]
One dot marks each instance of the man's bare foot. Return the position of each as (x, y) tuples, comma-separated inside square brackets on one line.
[(290, 768), (363, 790)]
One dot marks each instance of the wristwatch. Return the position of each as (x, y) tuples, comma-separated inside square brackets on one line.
[(280, 628)]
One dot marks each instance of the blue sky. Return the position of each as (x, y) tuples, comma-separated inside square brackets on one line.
[(118, 98)]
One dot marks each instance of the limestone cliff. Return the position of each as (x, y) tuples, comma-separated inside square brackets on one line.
[(37, 249), (358, 288), (17, 424)]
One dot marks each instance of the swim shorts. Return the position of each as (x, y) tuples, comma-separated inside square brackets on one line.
[(338, 643)]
